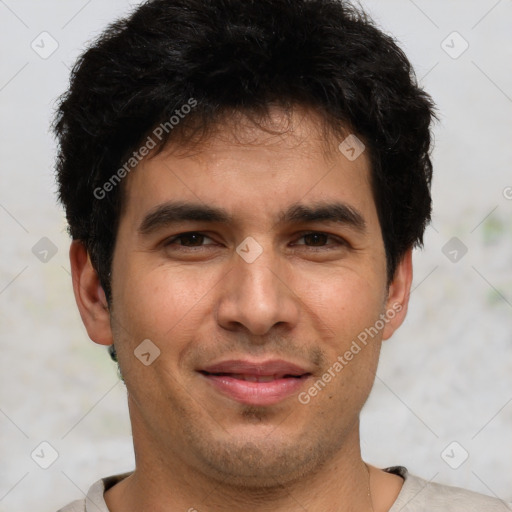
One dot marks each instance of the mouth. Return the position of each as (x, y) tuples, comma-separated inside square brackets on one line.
[(256, 383), (254, 378)]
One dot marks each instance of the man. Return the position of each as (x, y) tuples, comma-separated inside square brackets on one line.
[(244, 184)]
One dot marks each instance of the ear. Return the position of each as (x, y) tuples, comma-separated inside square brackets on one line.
[(89, 295), (398, 296)]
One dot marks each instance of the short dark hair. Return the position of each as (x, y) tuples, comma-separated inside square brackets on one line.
[(225, 57)]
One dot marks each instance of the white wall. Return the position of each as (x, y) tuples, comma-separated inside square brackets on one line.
[(446, 376)]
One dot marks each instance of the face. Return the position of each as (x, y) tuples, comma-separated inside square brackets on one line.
[(252, 264)]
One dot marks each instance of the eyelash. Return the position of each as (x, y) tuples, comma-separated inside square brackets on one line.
[(339, 241)]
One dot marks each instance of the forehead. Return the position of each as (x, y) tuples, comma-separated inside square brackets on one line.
[(253, 168)]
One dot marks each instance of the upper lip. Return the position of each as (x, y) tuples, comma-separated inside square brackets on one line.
[(276, 367)]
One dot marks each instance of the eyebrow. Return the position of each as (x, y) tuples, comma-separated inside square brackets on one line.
[(173, 212)]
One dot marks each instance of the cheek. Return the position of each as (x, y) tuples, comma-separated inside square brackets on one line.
[(350, 308), (161, 305), (158, 303), (345, 303)]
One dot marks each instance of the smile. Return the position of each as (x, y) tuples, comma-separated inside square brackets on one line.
[(256, 383)]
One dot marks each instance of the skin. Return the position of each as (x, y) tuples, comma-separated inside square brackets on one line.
[(303, 300)]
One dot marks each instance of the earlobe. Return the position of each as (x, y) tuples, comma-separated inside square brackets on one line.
[(398, 296), (89, 295)]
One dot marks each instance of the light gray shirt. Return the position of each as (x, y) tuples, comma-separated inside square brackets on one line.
[(417, 495)]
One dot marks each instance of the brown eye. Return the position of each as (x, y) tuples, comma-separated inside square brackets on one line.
[(192, 239), (319, 239), (316, 239)]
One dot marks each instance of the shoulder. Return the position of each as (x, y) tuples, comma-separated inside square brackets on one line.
[(419, 495), (76, 506), (95, 502)]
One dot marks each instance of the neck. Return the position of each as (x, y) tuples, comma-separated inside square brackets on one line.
[(165, 481)]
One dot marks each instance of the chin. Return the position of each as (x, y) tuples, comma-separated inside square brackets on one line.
[(263, 463)]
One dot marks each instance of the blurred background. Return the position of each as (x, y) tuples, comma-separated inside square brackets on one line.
[(442, 401)]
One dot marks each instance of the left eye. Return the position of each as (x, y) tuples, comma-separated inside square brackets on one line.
[(319, 239)]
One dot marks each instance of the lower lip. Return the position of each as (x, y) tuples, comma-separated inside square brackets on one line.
[(256, 393)]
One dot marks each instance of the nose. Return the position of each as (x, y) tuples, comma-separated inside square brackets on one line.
[(258, 296)]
